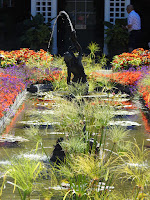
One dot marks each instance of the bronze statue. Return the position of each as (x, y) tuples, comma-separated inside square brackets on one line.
[(74, 64)]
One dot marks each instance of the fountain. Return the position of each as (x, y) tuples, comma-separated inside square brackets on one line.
[(71, 26), (73, 63)]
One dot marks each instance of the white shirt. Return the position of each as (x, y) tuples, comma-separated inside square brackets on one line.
[(134, 20)]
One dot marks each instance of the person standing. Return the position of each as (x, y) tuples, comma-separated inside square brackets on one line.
[(134, 28)]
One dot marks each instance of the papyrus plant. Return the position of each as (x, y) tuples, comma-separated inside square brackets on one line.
[(88, 178), (134, 166)]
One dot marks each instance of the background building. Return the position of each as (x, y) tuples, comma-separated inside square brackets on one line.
[(87, 16)]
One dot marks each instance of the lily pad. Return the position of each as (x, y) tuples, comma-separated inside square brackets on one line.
[(11, 138), (11, 141), (117, 99), (34, 156), (124, 123), (55, 133), (41, 112), (39, 124), (125, 112)]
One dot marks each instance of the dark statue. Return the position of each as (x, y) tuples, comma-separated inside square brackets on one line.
[(58, 154), (74, 64)]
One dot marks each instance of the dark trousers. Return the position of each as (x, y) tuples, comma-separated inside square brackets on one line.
[(134, 39)]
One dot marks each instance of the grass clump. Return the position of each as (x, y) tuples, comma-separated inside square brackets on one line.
[(24, 173)]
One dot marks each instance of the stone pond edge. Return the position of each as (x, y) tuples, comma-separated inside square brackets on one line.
[(5, 120)]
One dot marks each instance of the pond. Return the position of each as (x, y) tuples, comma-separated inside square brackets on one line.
[(36, 105)]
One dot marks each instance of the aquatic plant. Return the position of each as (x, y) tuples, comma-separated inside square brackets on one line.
[(74, 145), (98, 81), (93, 61), (68, 118), (77, 89), (24, 172), (88, 177), (134, 166), (117, 134), (94, 48)]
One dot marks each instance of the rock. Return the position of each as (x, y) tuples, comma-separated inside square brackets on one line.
[(32, 89), (40, 88)]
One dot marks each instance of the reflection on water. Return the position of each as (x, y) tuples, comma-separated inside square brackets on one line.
[(36, 107)]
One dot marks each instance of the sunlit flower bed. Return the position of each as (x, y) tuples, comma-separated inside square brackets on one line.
[(136, 58), (25, 56), (10, 87), (53, 76), (27, 66), (144, 88), (145, 93), (17, 75), (133, 79), (136, 81), (138, 65), (126, 78), (19, 69)]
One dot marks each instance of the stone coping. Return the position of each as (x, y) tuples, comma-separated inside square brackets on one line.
[(12, 110)]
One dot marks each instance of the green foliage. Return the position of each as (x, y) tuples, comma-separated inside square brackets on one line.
[(94, 62), (58, 62), (117, 134), (60, 84), (71, 116), (74, 145), (94, 48), (115, 34), (100, 82), (68, 117), (134, 166), (36, 33), (83, 173), (24, 173), (78, 89), (116, 38), (102, 60)]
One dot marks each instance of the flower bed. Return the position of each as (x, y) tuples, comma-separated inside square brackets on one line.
[(10, 87), (144, 89), (138, 65), (26, 67), (126, 78), (12, 113), (26, 56), (132, 80), (17, 63), (136, 58), (51, 77)]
